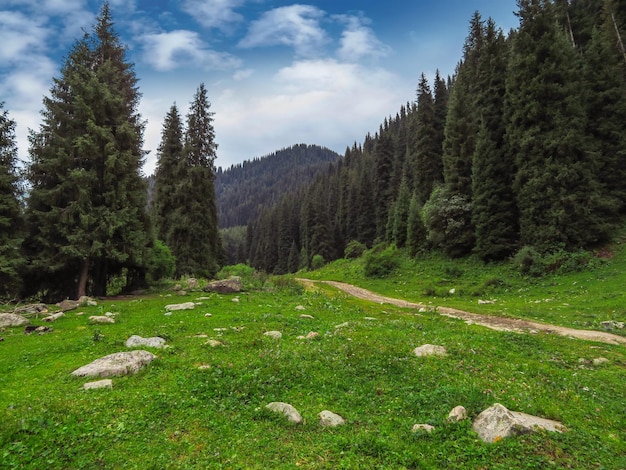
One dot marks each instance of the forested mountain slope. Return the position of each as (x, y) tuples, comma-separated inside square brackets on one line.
[(244, 189)]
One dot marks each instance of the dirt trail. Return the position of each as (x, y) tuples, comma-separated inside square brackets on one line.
[(489, 321)]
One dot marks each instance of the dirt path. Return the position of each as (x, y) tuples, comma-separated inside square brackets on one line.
[(489, 321)]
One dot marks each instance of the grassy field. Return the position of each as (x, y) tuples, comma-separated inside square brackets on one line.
[(199, 406)]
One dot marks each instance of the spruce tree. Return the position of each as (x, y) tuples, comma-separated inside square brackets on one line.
[(194, 238), (166, 178), (86, 208), (401, 215), (557, 190), (11, 226), (416, 230)]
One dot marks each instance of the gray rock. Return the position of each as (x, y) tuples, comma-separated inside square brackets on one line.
[(87, 301), (600, 360), (232, 285), (422, 427), (458, 413), (121, 363), (430, 350), (183, 306), (328, 418), (137, 341), (273, 334), (68, 304), (286, 409), (498, 422), (104, 383), (53, 317), (612, 325), (214, 343), (300, 307), (31, 309), (12, 319), (101, 319)]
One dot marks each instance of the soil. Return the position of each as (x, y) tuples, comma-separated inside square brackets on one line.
[(489, 321)]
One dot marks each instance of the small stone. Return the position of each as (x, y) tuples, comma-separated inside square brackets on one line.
[(53, 317), (452, 291), (204, 366), (369, 318), (101, 319), (104, 383), (300, 307), (110, 314), (304, 315), (208, 314), (342, 325), (286, 409), (236, 300), (483, 302), (612, 325), (458, 413), (328, 418), (80, 313), (214, 343), (312, 335), (600, 360), (273, 334), (137, 341), (183, 306), (422, 427), (430, 350), (167, 314)]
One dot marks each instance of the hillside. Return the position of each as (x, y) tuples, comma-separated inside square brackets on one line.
[(244, 189)]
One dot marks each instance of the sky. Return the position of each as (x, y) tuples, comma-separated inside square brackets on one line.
[(278, 73)]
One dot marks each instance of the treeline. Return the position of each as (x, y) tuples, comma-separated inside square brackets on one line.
[(522, 149), (83, 220), (244, 189)]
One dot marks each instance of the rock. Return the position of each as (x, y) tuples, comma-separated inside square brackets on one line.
[(458, 413), (273, 334), (422, 427), (498, 422), (31, 309), (104, 383), (430, 350), (236, 300), (612, 325), (121, 363), (328, 418), (12, 319), (286, 409), (214, 343), (342, 325), (483, 302), (600, 360), (192, 283), (231, 285), (183, 306), (300, 307), (154, 342), (67, 305), (101, 319), (37, 329), (304, 315), (53, 317), (452, 291), (87, 301), (312, 335), (208, 314)]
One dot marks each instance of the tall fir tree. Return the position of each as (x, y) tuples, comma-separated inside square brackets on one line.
[(166, 177), (416, 236), (195, 239), (86, 207), (401, 215), (11, 223), (557, 190)]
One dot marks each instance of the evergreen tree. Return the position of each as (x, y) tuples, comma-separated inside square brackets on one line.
[(86, 208), (195, 239), (167, 177), (494, 213), (416, 231), (558, 193), (383, 191), (401, 215), (11, 261)]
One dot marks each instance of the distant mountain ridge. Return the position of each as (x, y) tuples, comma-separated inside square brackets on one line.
[(244, 189)]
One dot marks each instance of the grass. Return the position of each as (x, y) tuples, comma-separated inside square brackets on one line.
[(175, 414)]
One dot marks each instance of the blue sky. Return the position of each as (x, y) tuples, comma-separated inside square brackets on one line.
[(278, 73)]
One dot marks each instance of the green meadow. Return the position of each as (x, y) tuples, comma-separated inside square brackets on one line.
[(203, 406)]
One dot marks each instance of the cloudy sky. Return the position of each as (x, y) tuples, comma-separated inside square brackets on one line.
[(278, 73)]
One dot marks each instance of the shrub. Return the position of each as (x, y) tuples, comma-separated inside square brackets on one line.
[(529, 261), (354, 249), (382, 263), (317, 262), (162, 262)]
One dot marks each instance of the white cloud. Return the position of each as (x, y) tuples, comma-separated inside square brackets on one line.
[(219, 14), (358, 40), (166, 51), (20, 35), (296, 26)]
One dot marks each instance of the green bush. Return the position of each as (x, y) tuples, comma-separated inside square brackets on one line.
[(382, 263), (529, 262), (354, 249), (317, 262), (162, 262)]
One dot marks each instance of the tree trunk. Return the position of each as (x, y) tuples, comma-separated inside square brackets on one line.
[(619, 37), (82, 279)]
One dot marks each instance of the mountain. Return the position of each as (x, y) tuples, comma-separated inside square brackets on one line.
[(244, 189)]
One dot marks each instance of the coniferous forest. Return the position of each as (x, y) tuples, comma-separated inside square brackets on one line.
[(520, 151)]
